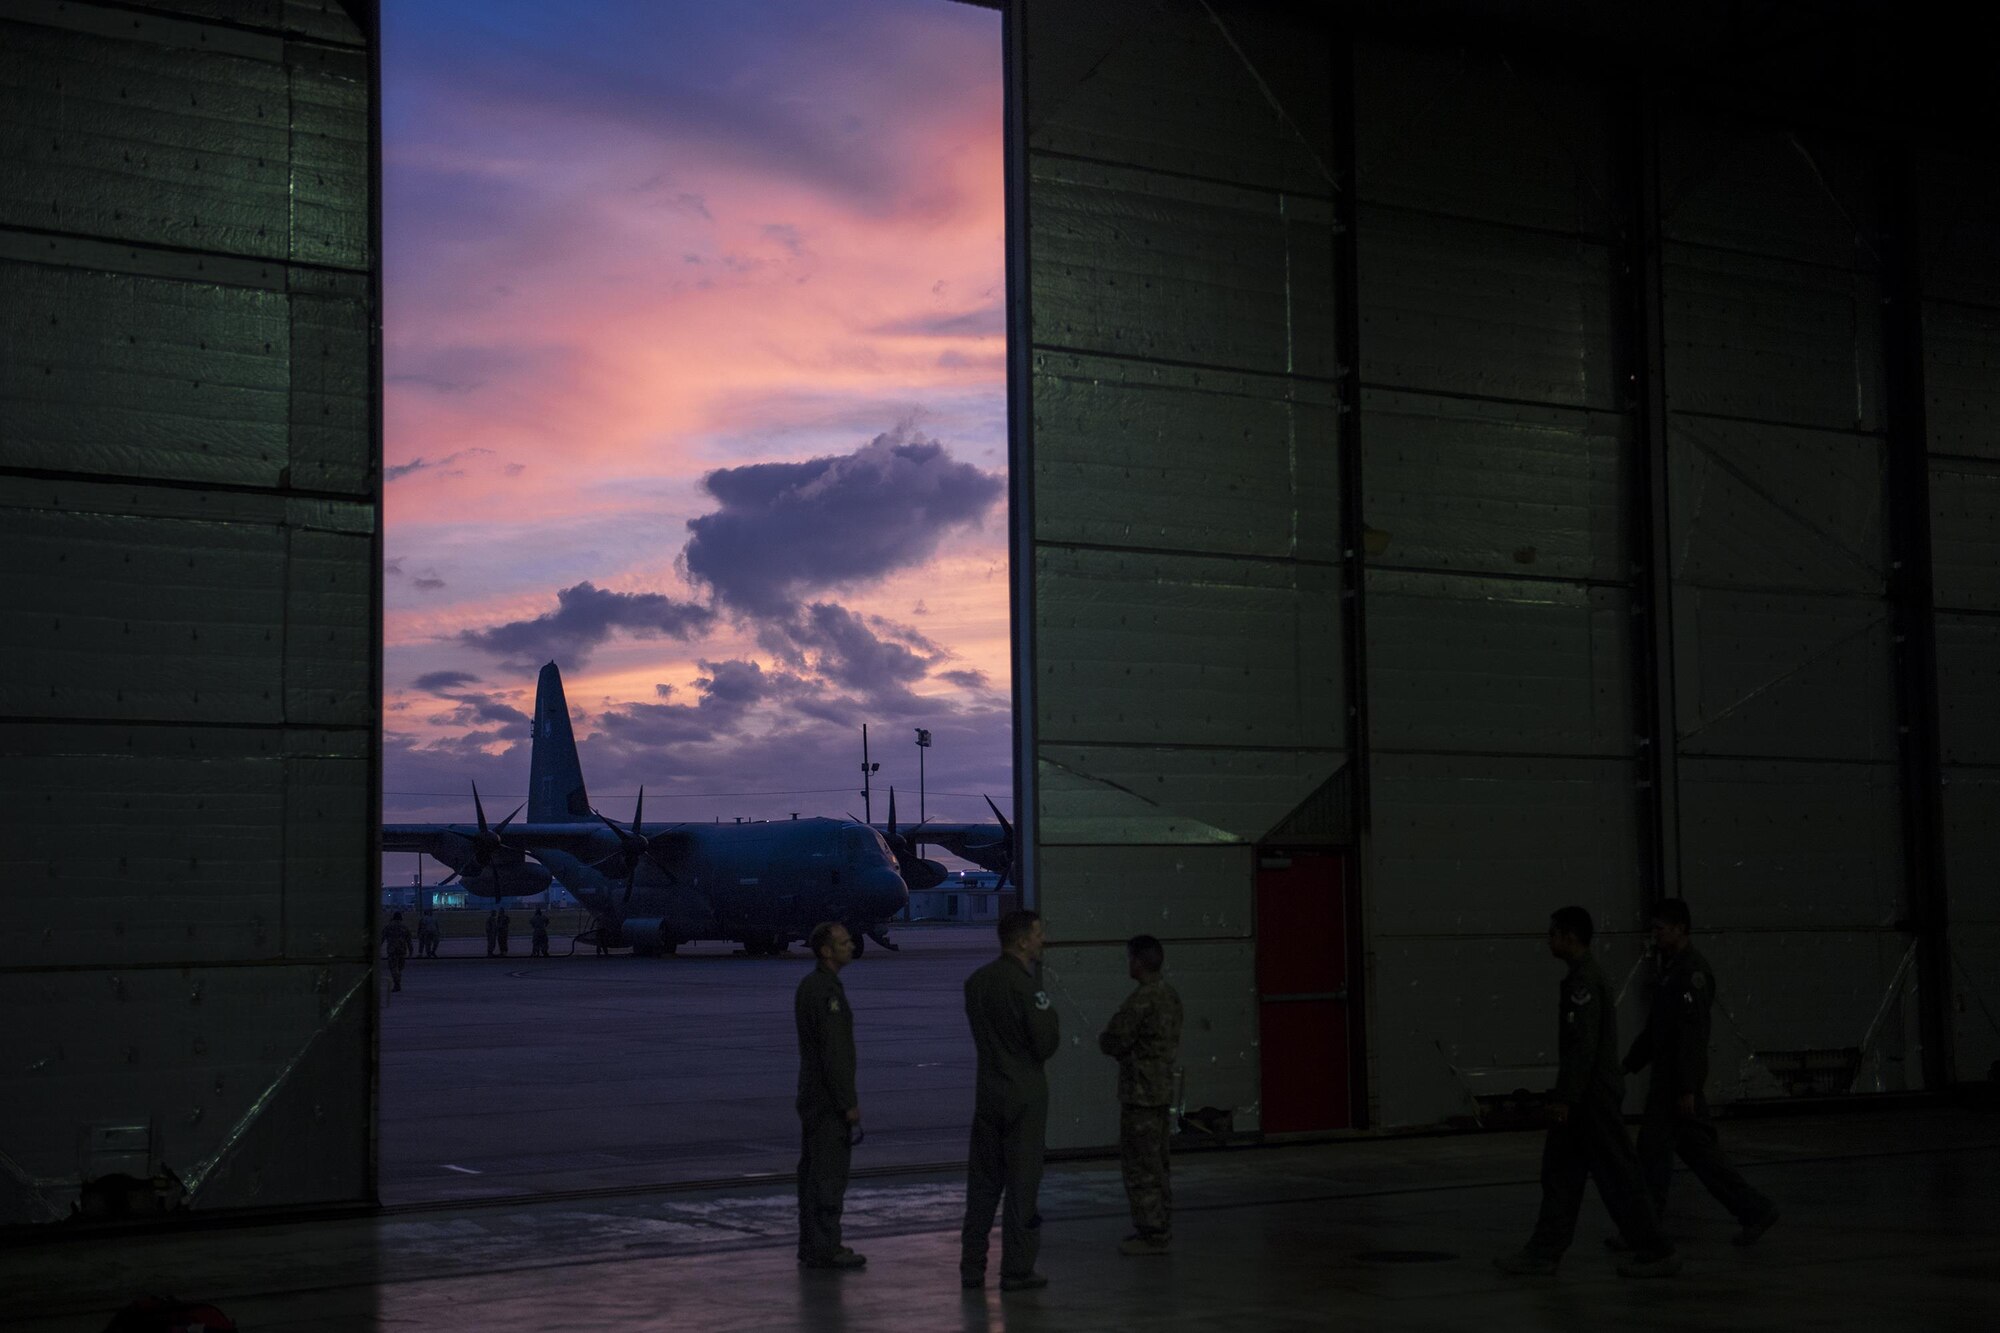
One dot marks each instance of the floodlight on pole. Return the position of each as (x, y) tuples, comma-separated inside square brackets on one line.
[(923, 744)]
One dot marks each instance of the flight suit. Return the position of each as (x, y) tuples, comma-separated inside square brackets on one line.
[(539, 923), (1675, 1044), (396, 939), (1592, 1142), (500, 927), (1145, 1038), (1015, 1029), (826, 1094)]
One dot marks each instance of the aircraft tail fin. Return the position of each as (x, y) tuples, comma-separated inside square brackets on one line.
[(555, 775)]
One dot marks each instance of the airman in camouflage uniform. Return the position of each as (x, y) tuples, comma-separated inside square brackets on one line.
[(1015, 1029), (1586, 1138), (427, 934), (829, 1110), (1144, 1036), (396, 943), (501, 924), (1675, 1044), (539, 923)]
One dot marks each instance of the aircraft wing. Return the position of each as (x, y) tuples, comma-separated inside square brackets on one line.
[(988, 846)]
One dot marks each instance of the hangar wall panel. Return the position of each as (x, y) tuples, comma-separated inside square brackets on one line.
[(1498, 481), (1183, 531), (1960, 209), (1791, 787), (188, 719)]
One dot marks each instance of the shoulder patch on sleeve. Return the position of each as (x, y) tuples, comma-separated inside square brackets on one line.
[(1580, 996), (1041, 999), (833, 1005)]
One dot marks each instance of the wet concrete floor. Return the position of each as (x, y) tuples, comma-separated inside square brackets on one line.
[(1889, 1224)]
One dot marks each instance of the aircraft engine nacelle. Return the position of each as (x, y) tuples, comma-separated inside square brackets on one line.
[(646, 932), (505, 881)]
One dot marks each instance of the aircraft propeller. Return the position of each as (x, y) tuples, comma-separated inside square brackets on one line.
[(633, 847), (919, 873), (486, 844), (1005, 847)]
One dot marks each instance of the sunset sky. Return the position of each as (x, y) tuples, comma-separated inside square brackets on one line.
[(696, 384)]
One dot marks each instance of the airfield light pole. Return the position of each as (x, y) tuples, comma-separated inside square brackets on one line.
[(867, 780), (923, 744)]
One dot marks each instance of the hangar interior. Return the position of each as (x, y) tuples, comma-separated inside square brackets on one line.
[(1465, 459)]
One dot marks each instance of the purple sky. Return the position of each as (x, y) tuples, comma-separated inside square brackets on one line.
[(696, 385)]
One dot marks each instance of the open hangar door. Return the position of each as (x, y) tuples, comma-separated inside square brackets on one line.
[(1511, 433), (188, 517)]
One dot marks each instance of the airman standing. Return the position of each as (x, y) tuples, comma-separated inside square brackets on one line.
[(396, 944), (829, 1109), (539, 923), (501, 923), (492, 931), (427, 934), (1144, 1036), (1015, 1029)]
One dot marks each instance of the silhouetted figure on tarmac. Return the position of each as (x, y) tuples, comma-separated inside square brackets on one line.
[(539, 924), (396, 945), (492, 931), (1586, 1138), (427, 934), (1015, 1029), (502, 923), (829, 1109), (1675, 1044), (1144, 1036)]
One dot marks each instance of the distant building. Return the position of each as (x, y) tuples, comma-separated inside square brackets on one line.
[(965, 895)]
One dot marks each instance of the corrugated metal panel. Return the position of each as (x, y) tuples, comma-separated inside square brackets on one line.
[(1471, 845), (1175, 893), (1968, 666), (1962, 378), (1118, 89), (1465, 307), (1774, 846), (1218, 1038), (330, 618), (329, 147), (1499, 488), (1462, 663), (1182, 650), (331, 443), (246, 1073), (1780, 674), (122, 139), (143, 377), (1776, 507), (1468, 133), (1153, 266), (1198, 459), (1772, 340), (1768, 189), (1238, 794), (1965, 534)]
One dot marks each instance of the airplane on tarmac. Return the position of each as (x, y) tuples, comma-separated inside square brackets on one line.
[(655, 887), (988, 846)]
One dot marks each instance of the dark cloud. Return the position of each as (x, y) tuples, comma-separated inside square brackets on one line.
[(968, 680), (847, 650), (397, 471), (786, 529), (428, 583), (586, 616), (785, 234), (444, 682), (985, 322)]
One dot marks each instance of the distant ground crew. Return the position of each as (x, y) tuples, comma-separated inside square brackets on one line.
[(396, 943), (1675, 1044), (492, 931), (829, 1109), (1144, 1036), (427, 934), (501, 924), (1015, 1029), (539, 923), (1586, 1137)]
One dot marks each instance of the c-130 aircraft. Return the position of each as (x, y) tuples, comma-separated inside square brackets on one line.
[(658, 886)]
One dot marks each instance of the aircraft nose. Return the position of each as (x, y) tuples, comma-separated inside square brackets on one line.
[(885, 892)]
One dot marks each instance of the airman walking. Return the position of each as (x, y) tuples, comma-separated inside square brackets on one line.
[(396, 945)]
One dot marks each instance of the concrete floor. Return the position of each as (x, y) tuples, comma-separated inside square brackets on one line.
[(1890, 1224)]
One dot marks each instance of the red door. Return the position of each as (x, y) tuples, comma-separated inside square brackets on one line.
[(1302, 988)]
